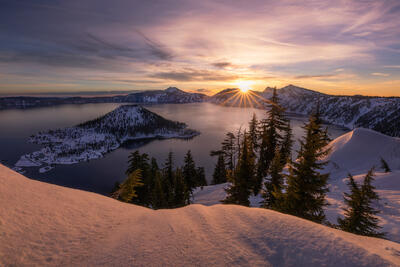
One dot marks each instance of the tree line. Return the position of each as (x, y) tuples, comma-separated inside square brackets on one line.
[(159, 188)]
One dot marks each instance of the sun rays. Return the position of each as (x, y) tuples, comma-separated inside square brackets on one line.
[(244, 97)]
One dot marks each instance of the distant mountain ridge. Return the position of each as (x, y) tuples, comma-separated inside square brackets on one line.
[(381, 114), (170, 95)]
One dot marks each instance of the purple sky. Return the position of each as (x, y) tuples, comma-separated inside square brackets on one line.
[(338, 47)]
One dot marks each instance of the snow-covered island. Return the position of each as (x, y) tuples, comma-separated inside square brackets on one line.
[(93, 139)]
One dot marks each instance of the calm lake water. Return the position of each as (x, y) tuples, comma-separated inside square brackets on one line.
[(100, 175)]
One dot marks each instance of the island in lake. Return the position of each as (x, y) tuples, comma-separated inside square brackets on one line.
[(93, 139)]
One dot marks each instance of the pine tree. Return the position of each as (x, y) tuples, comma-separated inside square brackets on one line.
[(271, 136), (274, 185), (238, 147), (140, 162), (189, 172), (306, 190), (359, 216), (243, 176), (219, 175), (200, 177), (253, 131), (286, 144), (229, 150), (159, 198), (385, 165), (180, 190), (127, 190), (169, 179)]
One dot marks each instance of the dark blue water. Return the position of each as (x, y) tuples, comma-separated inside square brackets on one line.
[(100, 175)]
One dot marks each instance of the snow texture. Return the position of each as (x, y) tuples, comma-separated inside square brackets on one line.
[(48, 225), (355, 152)]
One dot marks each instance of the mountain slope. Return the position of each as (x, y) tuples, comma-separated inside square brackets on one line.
[(381, 114), (169, 95), (44, 224), (355, 152), (93, 139), (361, 149)]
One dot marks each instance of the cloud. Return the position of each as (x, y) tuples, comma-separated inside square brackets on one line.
[(315, 76), (380, 74), (392, 66), (189, 75), (222, 65), (156, 48), (207, 42)]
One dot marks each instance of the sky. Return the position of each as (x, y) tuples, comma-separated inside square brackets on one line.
[(336, 47)]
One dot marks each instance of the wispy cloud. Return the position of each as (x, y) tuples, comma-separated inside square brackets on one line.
[(380, 74), (318, 76), (200, 44), (194, 75)]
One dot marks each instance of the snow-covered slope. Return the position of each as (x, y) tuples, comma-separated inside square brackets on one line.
[(355, 152), (169, 95), (43, 224), (361, 149), (381, 114), (93, 139)]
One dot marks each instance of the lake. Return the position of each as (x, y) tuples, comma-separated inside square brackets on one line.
[(99, 175)]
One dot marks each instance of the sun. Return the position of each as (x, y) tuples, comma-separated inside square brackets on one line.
[(244, 86)]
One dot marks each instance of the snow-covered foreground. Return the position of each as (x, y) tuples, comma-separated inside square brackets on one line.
[(354, 152), (44, 224)]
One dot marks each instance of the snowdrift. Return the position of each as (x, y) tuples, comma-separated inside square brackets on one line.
[(361, 149), (44, 224)]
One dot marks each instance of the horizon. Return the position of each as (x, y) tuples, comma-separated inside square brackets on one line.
[(108, 93), (97, 48)]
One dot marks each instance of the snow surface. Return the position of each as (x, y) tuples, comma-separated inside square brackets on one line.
[(355, 152), (361, 149), (43, 224)]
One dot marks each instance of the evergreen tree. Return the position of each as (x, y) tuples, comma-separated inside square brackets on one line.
[(359, 216), (180, 192), (286, 145), (127, 190), (169, 179), (253, 131), (271, 136), (219, 175), (140, 162), (159, 198), (306, 190), (200, 177), (385, 165), (274, 185), (229, 150), (243, 177), (189, 171), (238, 148)]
